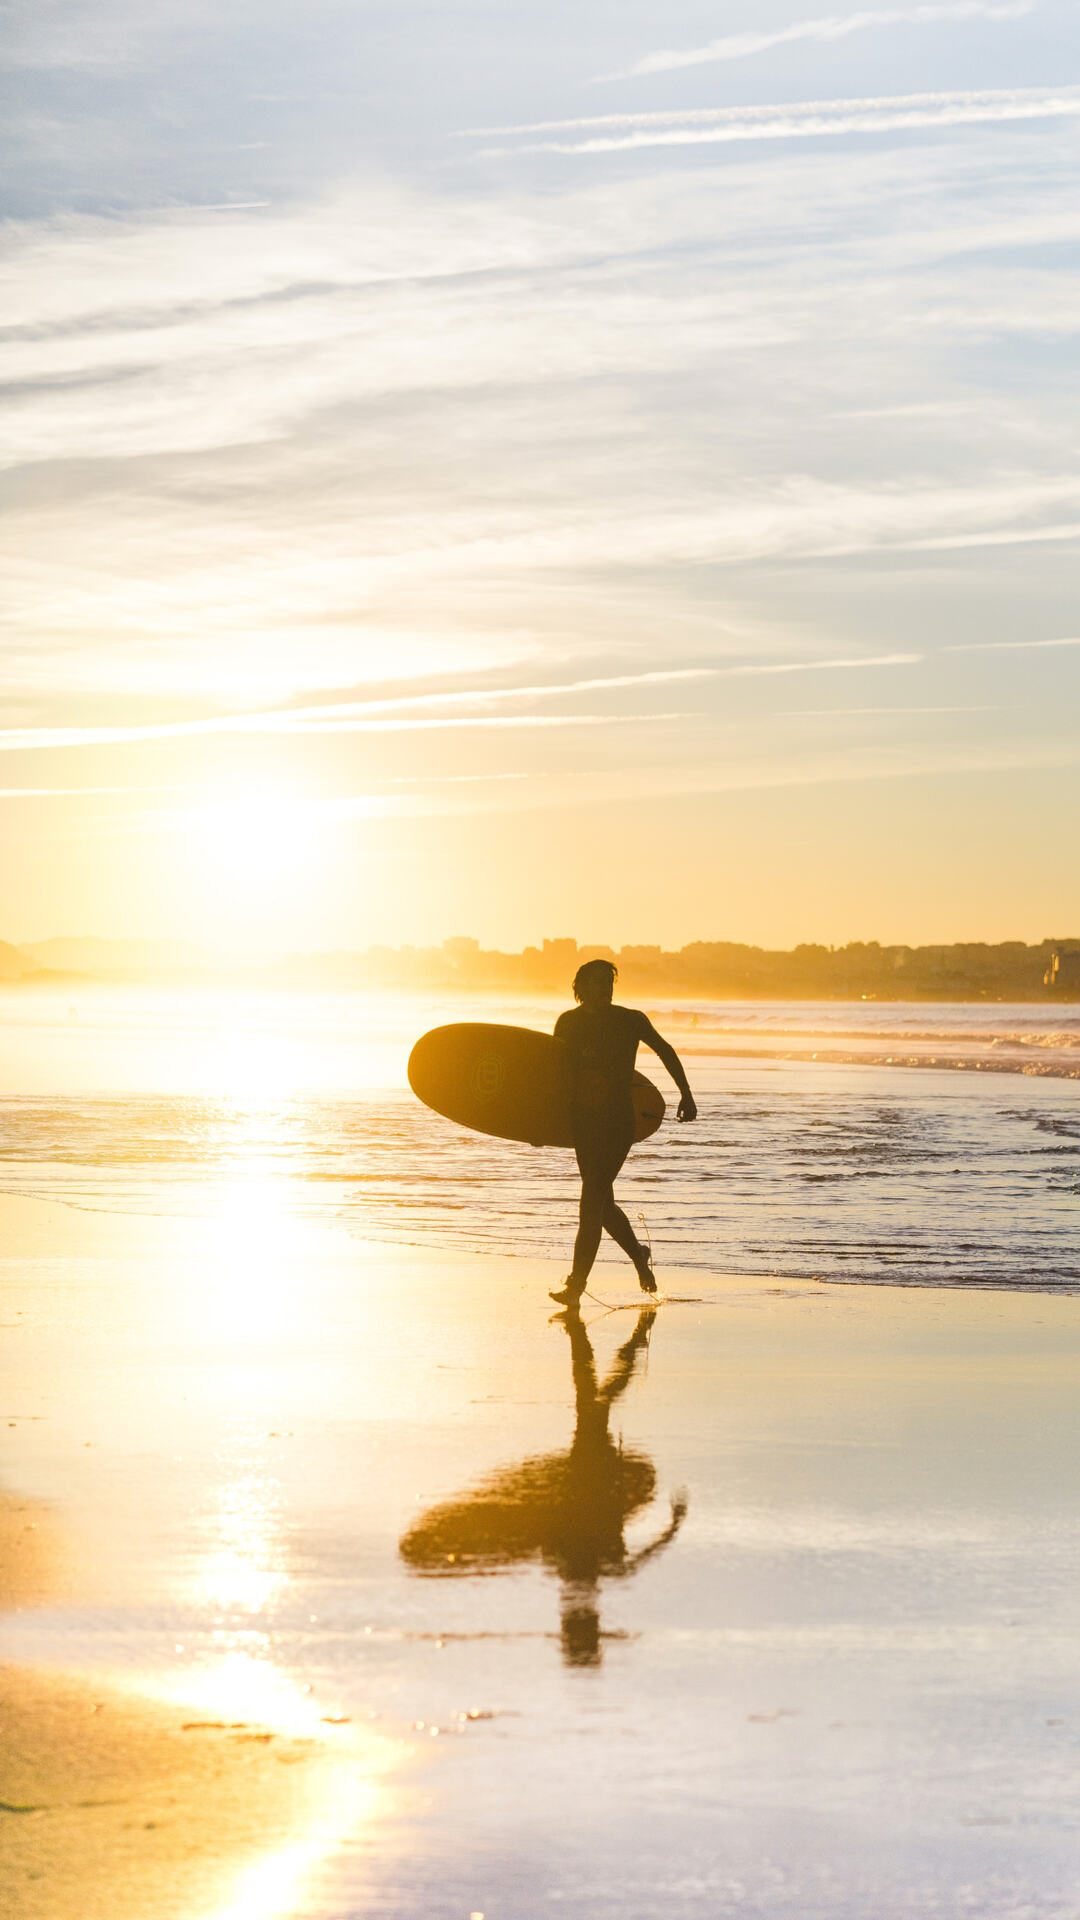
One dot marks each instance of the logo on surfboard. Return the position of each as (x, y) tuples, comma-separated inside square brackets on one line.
[(488, 1075)]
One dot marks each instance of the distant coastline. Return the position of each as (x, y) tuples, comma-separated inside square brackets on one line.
[(968, 971)]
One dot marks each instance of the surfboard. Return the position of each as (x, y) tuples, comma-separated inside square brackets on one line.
[(510, 1082)]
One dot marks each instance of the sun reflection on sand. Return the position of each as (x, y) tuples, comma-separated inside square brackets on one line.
[(213, 1784), (275, 1886), (243, 1569), (215, 1789), (250, 1697), (241, 1688), (251, 1281), (264, 1784)]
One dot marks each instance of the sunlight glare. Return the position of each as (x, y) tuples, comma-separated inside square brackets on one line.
[(254, 836), (250, 1276), (242, 1687), (348, 1789), (244, 1571)]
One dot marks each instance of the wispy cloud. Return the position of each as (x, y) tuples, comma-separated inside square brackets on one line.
[(998, 537), (451, 779), (77, 793), (829, 713), (387, 716), (823, 666), (831, 26), (590, 343), (883, 113), (15, 739), (649, 374)]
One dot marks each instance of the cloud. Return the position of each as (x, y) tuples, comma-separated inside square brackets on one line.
[(388, 716), (450, 779), (834, 26), (1003, 537), (354, 439), (828, 713), (115, 36), (18, 739), (822, 666), (74, 793), (817, 119)]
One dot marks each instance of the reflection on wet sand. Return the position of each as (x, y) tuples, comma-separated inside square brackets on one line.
[(212, 1794), (567, 1510)]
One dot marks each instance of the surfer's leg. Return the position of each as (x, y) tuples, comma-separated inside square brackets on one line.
[(617, 1224), (593, 1164), (595, 1196), (590, 1228)]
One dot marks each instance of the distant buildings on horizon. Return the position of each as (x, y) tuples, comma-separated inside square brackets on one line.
[(706, 969)]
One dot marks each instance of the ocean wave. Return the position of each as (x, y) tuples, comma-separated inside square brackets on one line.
[(1064, 1037), (866, 1056)]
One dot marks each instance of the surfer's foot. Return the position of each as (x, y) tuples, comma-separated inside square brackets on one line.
[(570, 1294), (645, 1274)]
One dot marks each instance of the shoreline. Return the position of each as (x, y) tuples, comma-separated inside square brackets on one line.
[(35, 1226)]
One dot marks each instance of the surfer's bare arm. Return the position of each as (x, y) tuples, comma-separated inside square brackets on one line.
[(670, 1059), (678, 1515)]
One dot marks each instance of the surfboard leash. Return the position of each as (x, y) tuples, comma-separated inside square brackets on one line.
[(648, 1236)]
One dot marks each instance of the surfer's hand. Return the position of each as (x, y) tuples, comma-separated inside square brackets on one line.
[(688, 1107)]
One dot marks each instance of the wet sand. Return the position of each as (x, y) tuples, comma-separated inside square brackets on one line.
[(395, 1597), (122, 1807)]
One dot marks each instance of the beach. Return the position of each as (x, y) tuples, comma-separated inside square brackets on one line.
[(562, 521), (565, 522), (343, 1580)]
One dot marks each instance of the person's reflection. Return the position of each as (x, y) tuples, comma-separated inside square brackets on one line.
[(568, 1510)]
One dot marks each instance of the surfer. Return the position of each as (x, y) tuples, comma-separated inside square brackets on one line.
[(602, 1040)]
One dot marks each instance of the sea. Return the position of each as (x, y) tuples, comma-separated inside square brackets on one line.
[(876, 1143)]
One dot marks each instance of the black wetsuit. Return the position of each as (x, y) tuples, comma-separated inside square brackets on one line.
[(602, 1043)]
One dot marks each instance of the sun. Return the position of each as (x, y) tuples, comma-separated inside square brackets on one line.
[(253, 855), (260, 864), (258, 836)]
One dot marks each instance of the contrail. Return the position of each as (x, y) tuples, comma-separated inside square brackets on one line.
[(825, 666), (14, 739), (707, 116), (883, 114), (372, 716), (344, 716), (832, 26), (77, 793)]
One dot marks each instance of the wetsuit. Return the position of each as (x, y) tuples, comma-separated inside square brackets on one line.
[(602, 1043)]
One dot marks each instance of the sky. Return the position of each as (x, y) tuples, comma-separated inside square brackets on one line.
[(528, 470)]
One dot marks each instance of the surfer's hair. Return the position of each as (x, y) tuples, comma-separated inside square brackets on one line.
[(591, 971)]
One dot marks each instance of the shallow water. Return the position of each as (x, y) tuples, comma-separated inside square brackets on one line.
[(773, 1615), (831, 1163)]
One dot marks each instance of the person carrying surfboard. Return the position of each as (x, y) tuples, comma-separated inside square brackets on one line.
[(602, 1041)]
